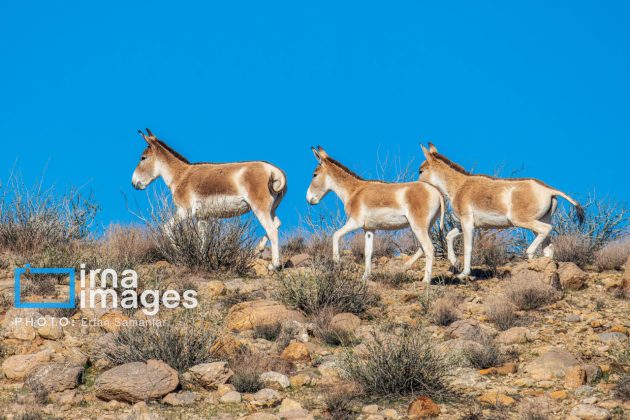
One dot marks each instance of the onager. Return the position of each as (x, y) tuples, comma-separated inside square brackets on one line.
[(375, 205), (488, 202), (220, 190)]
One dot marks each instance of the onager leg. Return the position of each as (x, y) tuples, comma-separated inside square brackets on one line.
[(424, 238), (468, 226), (450, 240), (369, 247), (546, 244), (343, 231), (267, 222), (542, 229), (263, 241), (411, 261)]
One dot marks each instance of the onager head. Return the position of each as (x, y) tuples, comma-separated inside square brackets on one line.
[(436, 168), (322, 182), (148, 168)]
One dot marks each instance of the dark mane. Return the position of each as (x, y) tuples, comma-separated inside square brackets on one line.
[(173, 152), (451, 164), (343, 168)]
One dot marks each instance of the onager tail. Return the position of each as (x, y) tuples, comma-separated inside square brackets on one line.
[(579, 211), (277, 181)]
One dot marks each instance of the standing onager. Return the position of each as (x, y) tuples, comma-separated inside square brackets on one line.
[(216, 189), (378, 205), (488, 202)]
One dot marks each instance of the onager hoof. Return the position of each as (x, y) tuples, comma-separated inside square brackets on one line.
[(465, 277), (274, 268), (455, 267)]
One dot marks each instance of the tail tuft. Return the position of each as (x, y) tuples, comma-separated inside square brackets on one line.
[(580, 214)]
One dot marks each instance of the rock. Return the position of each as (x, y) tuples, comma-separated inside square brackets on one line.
[(136, 381), (515, 335), (592, 372), (612, 337), (275, 380), (558, 395), (299, 260), (467, 329), (390, 413), (545, 269), (232, 397), (297, 414), (295, 352), (573, 318), (248, 315), (54, 377), (572, 277), (553, 363), (209, 375), (183, 398), (612, 283), (496, 398), (20, 324), (422, 408), (505, 369), (49, 327), (590, 412), (260, 416), (113, 320), (345, 322), (574, 377), (18, 367), (260, 267), (300, 379), (211, 289), (370, 409), (266, 398), (288, 405)]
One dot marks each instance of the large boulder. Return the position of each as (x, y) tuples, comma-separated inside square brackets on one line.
[(54, 377), (466, 329), (18, 367), (572, 277), (20, 324), (209, 375), (136, 381), (259, 313), (551, 364), (345, 322)]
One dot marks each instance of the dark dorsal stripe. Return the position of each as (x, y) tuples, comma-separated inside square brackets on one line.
[(173, 152), (451, 164), (343, 168)]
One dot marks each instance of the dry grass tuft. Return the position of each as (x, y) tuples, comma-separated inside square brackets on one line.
[(328, 333), (407, 364), (296, 244), (527, 291), (248, 366), (181, 342), (501, 313), (443, 310), (533, 409), (393, 278), (339, 402), (484, 354), (326, 286), (124, 247), (576, 248), (492, 249), (622, 389), (613, 255)]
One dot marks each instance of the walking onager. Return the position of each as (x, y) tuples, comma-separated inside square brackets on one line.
[(219, 190), (489, 202), (375, 205)]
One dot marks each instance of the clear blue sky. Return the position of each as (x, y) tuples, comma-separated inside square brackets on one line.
[(540, 84)]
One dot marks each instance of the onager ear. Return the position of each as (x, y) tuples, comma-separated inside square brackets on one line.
[(427, 155), (145, 137), (432, 149), (152, 137), (322, 152), (316, 153)]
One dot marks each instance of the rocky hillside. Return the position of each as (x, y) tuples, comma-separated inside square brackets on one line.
[(536, 340)]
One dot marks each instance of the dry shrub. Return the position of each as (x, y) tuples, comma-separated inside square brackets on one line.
[(296, 244), (181, 342), (491, 248), (407, 364), (248, 365), (393, 278), (339, 402), (443, 310), (622, 389), (501, 313), (327, 285), (214, 245), (575, 248), (268, 332), (36, 221), (329, 333), (533, 409), (613, 255), (125, 247), (39, 285), (484, 354), (527, 291), (383, 246)]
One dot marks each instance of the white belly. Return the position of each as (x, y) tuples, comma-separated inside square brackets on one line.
[(221, 207), (491, 220), (385, 219)]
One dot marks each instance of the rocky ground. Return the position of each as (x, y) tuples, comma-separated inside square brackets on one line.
[(560, 360)]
